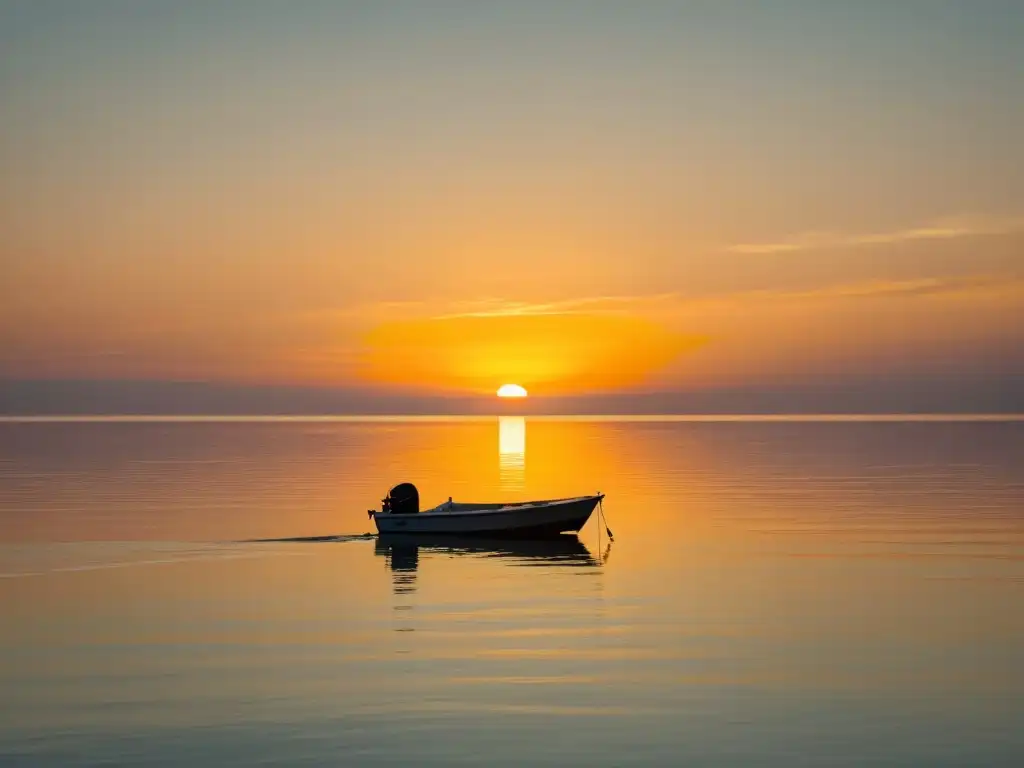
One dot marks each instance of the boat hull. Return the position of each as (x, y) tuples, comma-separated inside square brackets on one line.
[(514, 521)]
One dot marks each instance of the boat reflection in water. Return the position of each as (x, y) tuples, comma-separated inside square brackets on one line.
[(402, 553), (403, 562), (512, 452)]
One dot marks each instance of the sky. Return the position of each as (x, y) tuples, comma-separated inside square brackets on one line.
[(681, 205)]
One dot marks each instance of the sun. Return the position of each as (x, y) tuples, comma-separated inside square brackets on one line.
[(511, 390)]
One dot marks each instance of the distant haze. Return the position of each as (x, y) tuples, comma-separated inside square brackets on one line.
[(981, 393), (348, 207)]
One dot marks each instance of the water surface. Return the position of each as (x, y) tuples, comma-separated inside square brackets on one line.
[(777, 593)]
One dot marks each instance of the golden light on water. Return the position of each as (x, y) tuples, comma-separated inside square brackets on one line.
[(512, 452), (511, 390)]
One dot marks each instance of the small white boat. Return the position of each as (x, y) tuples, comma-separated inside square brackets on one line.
[(400, 513)]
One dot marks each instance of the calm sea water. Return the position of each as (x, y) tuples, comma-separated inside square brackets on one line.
[(775, 594)]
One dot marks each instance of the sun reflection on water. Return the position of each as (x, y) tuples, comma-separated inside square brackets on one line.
[(512, 452)]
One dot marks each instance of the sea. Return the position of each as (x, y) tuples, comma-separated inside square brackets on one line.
[(813, 591)]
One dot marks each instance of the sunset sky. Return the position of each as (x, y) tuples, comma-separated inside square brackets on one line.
[(423, 199)]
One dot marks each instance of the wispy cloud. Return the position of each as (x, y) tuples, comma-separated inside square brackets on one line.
[(574, 306), (667, 305), (922, 287), (947, 229)]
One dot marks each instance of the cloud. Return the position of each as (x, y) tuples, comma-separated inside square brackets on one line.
[(948, 229), (332, 330), (922, 286), (661, 304), (575, 306)]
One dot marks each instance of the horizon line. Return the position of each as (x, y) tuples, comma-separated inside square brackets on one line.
[(156, 418)]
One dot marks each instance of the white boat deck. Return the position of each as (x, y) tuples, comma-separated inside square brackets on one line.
[(463, 507)]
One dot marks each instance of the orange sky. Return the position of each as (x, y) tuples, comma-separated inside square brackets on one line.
[(638, 199)]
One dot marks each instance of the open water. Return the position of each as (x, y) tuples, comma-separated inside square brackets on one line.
[(777, 593)]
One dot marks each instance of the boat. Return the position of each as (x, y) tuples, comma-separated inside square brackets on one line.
[(400, 513)]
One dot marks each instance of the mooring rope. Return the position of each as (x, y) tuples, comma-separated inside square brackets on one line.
[(600, 506)]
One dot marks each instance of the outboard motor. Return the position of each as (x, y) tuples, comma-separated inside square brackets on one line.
[(403, 499)]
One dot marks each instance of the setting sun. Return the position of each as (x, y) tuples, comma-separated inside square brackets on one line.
[(511, 390)]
